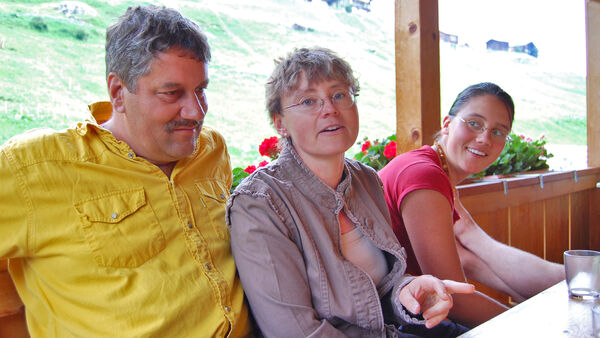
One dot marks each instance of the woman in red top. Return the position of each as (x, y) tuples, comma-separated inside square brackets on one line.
[(427, 214)]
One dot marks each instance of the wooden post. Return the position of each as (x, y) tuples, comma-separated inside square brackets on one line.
[(592, 18), (417, 73)]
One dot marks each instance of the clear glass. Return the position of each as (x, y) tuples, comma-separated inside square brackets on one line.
[(582, 270)]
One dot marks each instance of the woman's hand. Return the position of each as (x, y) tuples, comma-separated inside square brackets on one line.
[(432, 297)]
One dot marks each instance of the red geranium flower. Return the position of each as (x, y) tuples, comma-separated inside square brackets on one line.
[(366, 146), (269, 147), (250, 169), (390, 150), (263, 163)]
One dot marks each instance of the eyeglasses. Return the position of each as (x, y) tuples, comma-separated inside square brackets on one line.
[(478, 126), (342, 99)]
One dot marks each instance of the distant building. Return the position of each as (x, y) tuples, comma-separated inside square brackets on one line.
[(362, 4), (451, 39), (497, 45), (529, 48)]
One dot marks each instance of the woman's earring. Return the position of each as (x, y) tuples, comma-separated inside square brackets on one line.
[(283, 133)]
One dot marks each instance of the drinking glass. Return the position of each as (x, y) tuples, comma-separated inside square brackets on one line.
[(582, 270)]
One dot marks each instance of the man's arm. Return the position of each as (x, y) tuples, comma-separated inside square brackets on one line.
[(476, 269), (523, 272)]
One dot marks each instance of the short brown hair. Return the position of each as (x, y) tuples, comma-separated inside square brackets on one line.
[(317, 64)]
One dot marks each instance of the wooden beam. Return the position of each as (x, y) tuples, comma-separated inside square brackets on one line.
[(417, 73), (592, 18)]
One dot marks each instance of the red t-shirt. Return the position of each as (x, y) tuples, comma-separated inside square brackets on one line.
[(414, 170)]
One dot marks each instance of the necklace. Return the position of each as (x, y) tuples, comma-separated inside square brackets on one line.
[(442, 155), (444, 162)]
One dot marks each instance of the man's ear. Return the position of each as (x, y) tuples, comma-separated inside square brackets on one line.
[(116, 91), (446, 124)]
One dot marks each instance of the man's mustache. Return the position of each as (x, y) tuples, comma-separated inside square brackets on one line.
[(183, 123)]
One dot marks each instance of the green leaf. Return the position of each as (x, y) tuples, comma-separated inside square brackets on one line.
[(519, 155)]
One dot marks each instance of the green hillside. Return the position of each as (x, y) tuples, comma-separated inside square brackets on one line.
[(52, 66)]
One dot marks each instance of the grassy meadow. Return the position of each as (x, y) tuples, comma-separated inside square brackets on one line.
[(52, 66)]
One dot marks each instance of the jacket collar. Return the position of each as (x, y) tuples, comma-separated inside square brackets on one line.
[(308, 183)]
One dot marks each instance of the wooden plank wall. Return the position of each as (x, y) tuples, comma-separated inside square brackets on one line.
[(543, 214)]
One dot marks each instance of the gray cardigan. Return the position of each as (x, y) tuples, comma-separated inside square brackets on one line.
[(285, 239)]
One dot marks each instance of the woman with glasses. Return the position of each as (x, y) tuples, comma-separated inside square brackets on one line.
[(311, 234), (427, 214)]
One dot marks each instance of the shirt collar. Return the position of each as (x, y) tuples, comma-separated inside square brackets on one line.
[(100, 113)]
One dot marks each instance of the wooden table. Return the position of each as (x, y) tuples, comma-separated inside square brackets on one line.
[(551, 313)]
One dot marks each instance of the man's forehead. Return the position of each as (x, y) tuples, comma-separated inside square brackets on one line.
[(174, 84), (175, 68)]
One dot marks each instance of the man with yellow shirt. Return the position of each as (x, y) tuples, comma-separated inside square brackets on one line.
[(116, 227)]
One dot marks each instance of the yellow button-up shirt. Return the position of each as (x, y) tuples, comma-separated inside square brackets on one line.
[(102, 243)]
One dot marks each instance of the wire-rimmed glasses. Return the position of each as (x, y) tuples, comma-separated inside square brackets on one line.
[(341, 99), (478, 126)]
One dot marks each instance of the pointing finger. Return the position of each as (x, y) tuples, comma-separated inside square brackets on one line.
[(458, 287)]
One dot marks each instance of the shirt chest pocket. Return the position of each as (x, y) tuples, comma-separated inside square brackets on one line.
[(121, 228), (213, 197)]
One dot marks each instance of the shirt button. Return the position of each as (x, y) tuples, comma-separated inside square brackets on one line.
[(114, 215), (207, 266), (130, 155), (227, 309), (190, 225)]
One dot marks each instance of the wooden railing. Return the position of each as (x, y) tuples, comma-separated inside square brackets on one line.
[(543, 213)]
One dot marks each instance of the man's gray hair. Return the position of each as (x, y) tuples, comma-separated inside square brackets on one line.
[(142, 32)]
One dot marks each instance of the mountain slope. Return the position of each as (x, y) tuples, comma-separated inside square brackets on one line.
[(48, 76)]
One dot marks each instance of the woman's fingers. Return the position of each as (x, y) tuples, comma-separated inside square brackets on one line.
[(422, 293), (458, 287), (437, 311), (437, 308), (410, 302), (437, 303), (435, 320), (432, 296)]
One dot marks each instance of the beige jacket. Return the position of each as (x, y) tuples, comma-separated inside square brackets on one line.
[(286, 244)]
